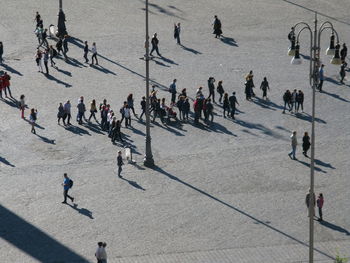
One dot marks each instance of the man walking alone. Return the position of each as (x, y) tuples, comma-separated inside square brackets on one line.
[(67, 184), (120, 163)]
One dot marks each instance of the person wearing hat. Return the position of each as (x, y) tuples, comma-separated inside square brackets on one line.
[(233, 101), (120, 163)]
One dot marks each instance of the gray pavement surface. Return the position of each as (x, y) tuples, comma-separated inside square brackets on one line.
[(221, 193)]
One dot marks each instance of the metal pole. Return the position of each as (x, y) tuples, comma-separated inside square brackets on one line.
[(60, 4), (312, 164), (148, 160)]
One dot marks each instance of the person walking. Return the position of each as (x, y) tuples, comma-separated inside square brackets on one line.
[(294, 100), (320, 201), (6, 84), (343, 53), (67, 112), (22, 105), (209, 109), (38, 57), (52, 55), (308, 203), (32, 119), (86, 51), (60, 114), (306, 143), (59, 45), (94, 54), (116, 134), (46, 61), (65, 46), (155, 42), (220, 90), (211, 88), (120, 163), (185, 109), (177, 30), (321, 77), (172, 90), (1, 52), (264, 87), (287, 97), (300, 101), (127, 116), (294, 143), (81, 111), (226, 105), (43, 39), (143, 106), (179, 105), (130, 101), (217, 27), (93, 110), (233, 101), (67, 184), (342, 72)]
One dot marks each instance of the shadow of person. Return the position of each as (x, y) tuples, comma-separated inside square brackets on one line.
[(82, 211), (4, 161), (133, 184), (336, 96), (65, 72), (328, 165), (229, 41), (137, 166), (77, 130), (12, 102), (102, 69), (168, 60), (44, 139), (35, 125), (50, 77), (10, 69), (335, 227), (190, 50), (308, 165)]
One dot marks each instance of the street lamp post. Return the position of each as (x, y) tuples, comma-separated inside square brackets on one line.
[(148, 160), (315, 37)]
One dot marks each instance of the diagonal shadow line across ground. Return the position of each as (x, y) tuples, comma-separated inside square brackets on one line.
[(32, 241), (170, 176)]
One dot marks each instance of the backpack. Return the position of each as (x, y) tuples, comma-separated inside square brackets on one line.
[(70, 183)]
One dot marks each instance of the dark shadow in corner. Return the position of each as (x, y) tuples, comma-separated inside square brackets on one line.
[(33, 241)]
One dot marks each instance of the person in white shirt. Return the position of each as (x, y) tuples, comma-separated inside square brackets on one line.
[(101, 254), (294, 143), (127, 116), (94, 54)]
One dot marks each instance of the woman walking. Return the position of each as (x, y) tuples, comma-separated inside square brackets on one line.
[(217, 27), (320, 202), (264, 87), (22, 105), (93, 110), (130, 101), (220, 90), (60, 114), (32, 119), (177, 30), (38, 57), (226, 105), (306, 143)]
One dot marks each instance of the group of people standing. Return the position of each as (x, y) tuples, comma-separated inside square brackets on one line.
[(294, 100)]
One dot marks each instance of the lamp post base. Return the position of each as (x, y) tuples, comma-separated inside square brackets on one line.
[(148, 162)]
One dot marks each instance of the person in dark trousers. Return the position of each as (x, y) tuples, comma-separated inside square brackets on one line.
[(81, 111), (116, 134), (1, 52), (6, 84), (264, 87), (155, 42), (179, 105), (60, 114), (67, 184), (46, 61), (217, 27), (233, 101), (320, 202), (306, 143), (130, 102), (59, 45), (287, 97), (220, 90), (321, 77), (52, 55), (177, 30), (308, 203), (86, 51), (300, 101), (65, 46), (172, 90), (120, 163), (226, 105), (94, 54), (43, 39), (143, 106), (294, 144), (67, 112), (342, 72), (209, 109), (32, 119), (291, 38), (211, 88), (343, 53), (185, 109)]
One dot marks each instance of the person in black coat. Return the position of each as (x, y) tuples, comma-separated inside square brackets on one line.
[(217, 27), (220, 90), (343, 52), (154, 42), (300, 101), (264, 87), (287, 97), (211, 88), (306, 143), (233, 101), (185, 109)]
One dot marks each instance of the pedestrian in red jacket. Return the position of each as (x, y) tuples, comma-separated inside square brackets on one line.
[(320, 202), (6, 84)]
